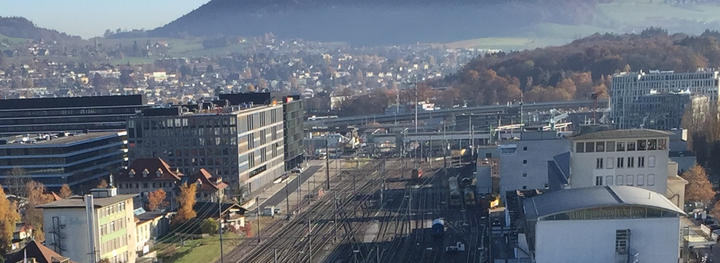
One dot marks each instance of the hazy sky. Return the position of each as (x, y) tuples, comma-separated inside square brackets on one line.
[(90, 18)]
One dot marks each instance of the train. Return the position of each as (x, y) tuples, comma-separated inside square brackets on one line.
[(469, 196), (454, 191), (416, 174), (438, 228)]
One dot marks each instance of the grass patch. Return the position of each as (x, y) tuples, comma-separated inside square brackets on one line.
[(219, 51), (132, 60), (202, 250), (10, 41)]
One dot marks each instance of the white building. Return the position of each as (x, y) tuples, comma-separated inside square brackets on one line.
[(628, 87), (601, 224), (67, 230), (523, 163), (620, 157)]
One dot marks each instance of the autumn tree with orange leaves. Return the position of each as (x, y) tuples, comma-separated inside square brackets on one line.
[(9, 216), (186, 201), (699, 188), (65, 191), (155, 199), (33, 216)]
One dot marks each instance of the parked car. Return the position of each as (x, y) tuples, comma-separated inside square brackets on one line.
[(297, 170)]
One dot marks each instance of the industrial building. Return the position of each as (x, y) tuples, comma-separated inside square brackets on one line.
[(108, 232), (70, 114), (57, 159), (600, 224), (635, 95), (243, 143)]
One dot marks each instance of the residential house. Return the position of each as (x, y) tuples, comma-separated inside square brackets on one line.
[(147, 175), (233, 215), (148, 227), (37, 253), (209, 187)]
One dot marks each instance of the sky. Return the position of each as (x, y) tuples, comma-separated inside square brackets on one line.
[(90, 18)]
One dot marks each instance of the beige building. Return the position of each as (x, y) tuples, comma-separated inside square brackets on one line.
[(111, 226)]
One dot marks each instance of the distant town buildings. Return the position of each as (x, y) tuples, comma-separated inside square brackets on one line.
[(657, 99), (65, 158)]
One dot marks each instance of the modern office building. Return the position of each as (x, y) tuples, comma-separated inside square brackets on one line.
[(69, 227), (48, 115), (600, 224), (629, 88), (242, 144), (523, 163), (293, 119), (57, 159), (657, 111)]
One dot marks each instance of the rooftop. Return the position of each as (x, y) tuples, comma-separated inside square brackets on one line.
[(149, 169), (79, 201), (51, 140), (594, 197), (621, 134)]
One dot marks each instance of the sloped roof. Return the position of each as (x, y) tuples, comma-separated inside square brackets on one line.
[(593, 197), (207, 184), (40, 253), (621, 134), (151, 165)]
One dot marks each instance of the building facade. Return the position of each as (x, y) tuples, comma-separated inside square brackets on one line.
[(523, 163), (602, 224), (635, 157), (48, 115), (242, 144), (67, 229), (146, 175), (57, 159), (657, 111), (629, 87)]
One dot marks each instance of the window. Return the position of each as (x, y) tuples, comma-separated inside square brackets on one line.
[(598, 180), (599, 163), (525, 148), (621, 240), (610, 146), (641, 161), (652, 144), (630, 180), (524, 174), (641, 145), (661, 144), (651, 161), (640, 180), (620, 162), (600, 147), (619, 180), (590, 147), (609, 162), (524, 187), (609, 180), (580, 147), (524, 161), (631, 162), (620, 147), (650, 179), (630, 146)]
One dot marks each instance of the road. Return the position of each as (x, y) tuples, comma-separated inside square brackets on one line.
[(291, 186)]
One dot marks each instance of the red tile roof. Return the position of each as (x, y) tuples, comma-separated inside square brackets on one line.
[(40, 253), (151, 166), (207, 180)]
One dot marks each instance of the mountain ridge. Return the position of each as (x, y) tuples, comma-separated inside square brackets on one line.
[(20, 27)]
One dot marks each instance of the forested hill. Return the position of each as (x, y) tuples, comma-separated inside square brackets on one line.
[(19, 27), (575, 70), (376, 22)]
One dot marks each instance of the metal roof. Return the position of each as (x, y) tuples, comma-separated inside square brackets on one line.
[(593, 197), (621, 134), (79, 201)]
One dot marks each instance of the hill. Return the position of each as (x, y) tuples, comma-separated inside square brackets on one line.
[(376, 22), (19, 27)]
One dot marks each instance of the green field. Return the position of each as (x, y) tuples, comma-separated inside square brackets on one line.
[(203, 250)]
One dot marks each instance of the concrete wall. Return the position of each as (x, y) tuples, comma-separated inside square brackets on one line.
[(484, 179), (73, 236), (530, 158), (656, 240)]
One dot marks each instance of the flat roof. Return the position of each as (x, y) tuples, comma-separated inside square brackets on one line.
[(594, 197), (78, 202), (73, 102), (67, 140), (621, 134)]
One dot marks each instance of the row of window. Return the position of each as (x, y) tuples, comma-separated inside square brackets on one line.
[(145, 185), (629, 180), (112, 227), (114, 244), (623, 146), (112, 209), (607, 163)]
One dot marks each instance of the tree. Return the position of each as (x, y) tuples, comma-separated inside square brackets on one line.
[(251, 88), (209, 226), (65, 191), (104, 260), (33, 216), (9, 216), (17, 178), (97, 80), (715, 212), (186, 201), (209, 69), (155, 199), (102, 184), (698, 188)]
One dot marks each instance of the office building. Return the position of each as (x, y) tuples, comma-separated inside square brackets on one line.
[(48, 115), (523, 163), (600, 224), (293, 119), (242, 144), (630, 88), (57, 159), (657, 111), (110, 232)]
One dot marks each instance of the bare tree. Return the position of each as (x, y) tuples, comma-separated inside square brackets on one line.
[(17, 178)]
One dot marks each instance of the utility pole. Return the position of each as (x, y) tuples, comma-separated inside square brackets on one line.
[(275, 254), (299, 190), (309, 241), (335, 214), (287, 198), (382, 183), (222, 257), (327, 162), (257, 203)]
